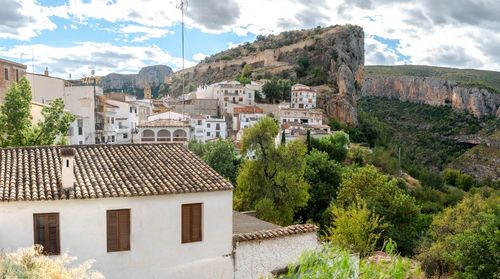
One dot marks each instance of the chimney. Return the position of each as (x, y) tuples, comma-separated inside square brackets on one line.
[(46, 72), (67, 166)]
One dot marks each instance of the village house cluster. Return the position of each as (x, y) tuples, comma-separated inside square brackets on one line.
[(127, 192)]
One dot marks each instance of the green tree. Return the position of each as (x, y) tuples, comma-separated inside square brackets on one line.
[(16, 127), (272, 90), (324, 177), (273, 183), (386, 198), (355, 228), (197, 147), (335, 145), (221, 156), (464, 240)]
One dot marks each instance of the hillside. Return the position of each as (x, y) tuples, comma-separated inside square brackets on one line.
[(473, 91), (153, 76), (489, 80), (333, 56), (437, 137)]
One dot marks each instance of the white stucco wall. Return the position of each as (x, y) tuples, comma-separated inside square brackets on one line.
[(255, 259), (156, 248)]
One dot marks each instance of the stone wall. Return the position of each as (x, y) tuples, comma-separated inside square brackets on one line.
[(257, 258)]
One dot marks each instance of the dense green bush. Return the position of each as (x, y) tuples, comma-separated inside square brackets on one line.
[(464, 240)]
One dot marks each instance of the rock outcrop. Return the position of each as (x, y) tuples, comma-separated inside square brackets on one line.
[(151, 75), (434, 92), (336, 53)]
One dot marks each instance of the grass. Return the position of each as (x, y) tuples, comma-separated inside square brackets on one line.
[(464, 77)]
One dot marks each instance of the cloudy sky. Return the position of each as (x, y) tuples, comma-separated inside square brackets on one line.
[(75, 36)]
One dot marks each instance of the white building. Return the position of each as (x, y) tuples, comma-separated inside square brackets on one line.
[(140, 211), (296, 131), (75, 133), (205, 128), (126, 120), (169, 115), (79, 100), (162, 130), (302, 116), (229, 94), (303, 97)]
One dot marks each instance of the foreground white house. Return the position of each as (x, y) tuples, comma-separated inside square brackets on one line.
[(140, 211)]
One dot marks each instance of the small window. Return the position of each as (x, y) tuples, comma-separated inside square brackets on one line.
[(217, 126), (17, 75), (217, 134), (208, 134), (208, 125), (46, 231), (112, 138), (118, 230), (131, 109), (6, 71), (125, 136), (191, 222), (67, 163), (199, 122)]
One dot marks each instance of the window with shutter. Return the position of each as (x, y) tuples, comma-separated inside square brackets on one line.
[(118, 230), (46, 232), (192, 222)]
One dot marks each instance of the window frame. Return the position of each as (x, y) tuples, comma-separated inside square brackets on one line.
[(46, 233), (191, 236), (118, 248)]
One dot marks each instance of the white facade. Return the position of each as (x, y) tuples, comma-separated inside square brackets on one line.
[(126, 120), (302, 116), (303, 97), (257, 259), (228, 94), (205, 128), (246, 120), (79, 100), (164, 131), (75, 133), (155, 241)]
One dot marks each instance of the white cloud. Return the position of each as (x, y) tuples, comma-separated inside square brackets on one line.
[(103, 57), (23, 20), (147, 32), (233, 45), (199, 56)]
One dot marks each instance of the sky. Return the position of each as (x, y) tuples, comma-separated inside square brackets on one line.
[(74, 37)]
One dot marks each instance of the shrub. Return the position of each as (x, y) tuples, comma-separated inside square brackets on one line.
[(355, 228), (30, 263)]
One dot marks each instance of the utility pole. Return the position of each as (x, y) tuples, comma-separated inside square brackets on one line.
[(181, 6)]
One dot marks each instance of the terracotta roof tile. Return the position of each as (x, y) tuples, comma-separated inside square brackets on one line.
[(273, 233), (102, 171)]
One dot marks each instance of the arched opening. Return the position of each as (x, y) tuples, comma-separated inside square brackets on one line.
[(148, 136), (163, 135), (180, 135)]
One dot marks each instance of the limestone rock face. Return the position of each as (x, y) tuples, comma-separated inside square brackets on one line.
[(151, 75), (434, 92), (336, 51)]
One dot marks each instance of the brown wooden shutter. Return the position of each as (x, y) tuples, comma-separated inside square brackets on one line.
[(124, 229), (196, 222), (118, 230), (191, 222), (46, 232), (112, 230), (186, 220)]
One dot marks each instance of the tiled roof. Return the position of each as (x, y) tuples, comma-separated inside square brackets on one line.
[(273, 233), (34, 173)]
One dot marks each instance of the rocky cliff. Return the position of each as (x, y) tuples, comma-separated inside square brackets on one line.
[(151, 75), (434, 92), (334, 55)]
